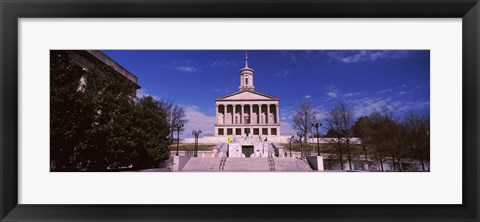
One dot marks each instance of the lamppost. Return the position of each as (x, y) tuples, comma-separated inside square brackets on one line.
[(316, 124), (196, 133), (291, 138), (300, 134), (178, 126)]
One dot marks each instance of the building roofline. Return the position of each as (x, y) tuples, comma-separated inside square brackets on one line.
[(254, 92), (102, 57)]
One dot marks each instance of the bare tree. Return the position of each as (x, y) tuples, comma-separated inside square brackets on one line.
[(363, 130), (386, 137), (304, 116), (418, 133), (174, 114), (340, 121), (376, 138), (393, 139)]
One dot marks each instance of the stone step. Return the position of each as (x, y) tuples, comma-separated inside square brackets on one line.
[(238, 164), (201, 164), (246, 164), (291, 164)]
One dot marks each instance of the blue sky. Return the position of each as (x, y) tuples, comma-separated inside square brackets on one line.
[(366, 79)]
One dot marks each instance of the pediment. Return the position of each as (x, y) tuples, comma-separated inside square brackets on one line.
[(247, 95)]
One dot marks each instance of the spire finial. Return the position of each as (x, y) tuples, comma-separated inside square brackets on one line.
[(246, 59)]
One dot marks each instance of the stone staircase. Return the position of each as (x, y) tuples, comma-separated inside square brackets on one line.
[(291, 164), (246, 164), (200, 164), (237, 164)]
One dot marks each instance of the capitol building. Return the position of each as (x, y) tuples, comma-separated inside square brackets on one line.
[(247, 112)]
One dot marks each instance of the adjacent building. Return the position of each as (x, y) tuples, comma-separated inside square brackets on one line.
[(88, 59)]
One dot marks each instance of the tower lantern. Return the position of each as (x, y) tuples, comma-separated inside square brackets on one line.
[(246, 77)]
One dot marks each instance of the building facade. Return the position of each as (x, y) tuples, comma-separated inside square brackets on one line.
[(247, 112)]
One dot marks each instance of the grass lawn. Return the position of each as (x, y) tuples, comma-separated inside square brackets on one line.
[(191, 146)]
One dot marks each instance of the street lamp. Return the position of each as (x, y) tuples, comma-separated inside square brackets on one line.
[(316, 124), (300, 134), (196, 133), (178, 126)]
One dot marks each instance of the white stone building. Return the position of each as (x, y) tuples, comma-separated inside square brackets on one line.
[(247, 111)]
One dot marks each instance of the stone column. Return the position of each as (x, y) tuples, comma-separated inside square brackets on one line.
[(257, 115), (250, 113), (264, 119), (277, 115), (176, 163), (320, 163), (268, 114), (216, 114), (241, 115), (224, 114), (234, 112)]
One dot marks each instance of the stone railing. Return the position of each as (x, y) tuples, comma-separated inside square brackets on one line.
[(182, 161)]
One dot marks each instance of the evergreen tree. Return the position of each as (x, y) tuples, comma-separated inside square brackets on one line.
[(69, 117), (108, 144), (151, 133)]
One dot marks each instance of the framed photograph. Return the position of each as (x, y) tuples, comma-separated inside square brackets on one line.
[(267, 110)]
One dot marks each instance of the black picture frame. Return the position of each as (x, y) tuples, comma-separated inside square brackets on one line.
[(11, 11)]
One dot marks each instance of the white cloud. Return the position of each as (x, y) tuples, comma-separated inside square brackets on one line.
[(355, 56), (412, 106), (197, 120), (332, 94), (405, 92), (223, 63), (364, 107), (308, 96), (286, 129), (322, 113), (144, 92), (352, 94), (290, 54), (282, 73), (287, 112), (186, 69), (420, 87), (385, 90)]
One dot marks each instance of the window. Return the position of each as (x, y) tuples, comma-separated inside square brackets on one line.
[(264, 131), (274, 131), (220, 132), (246, 81)]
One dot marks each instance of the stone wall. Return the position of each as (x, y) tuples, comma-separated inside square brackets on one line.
[(223, 139)]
